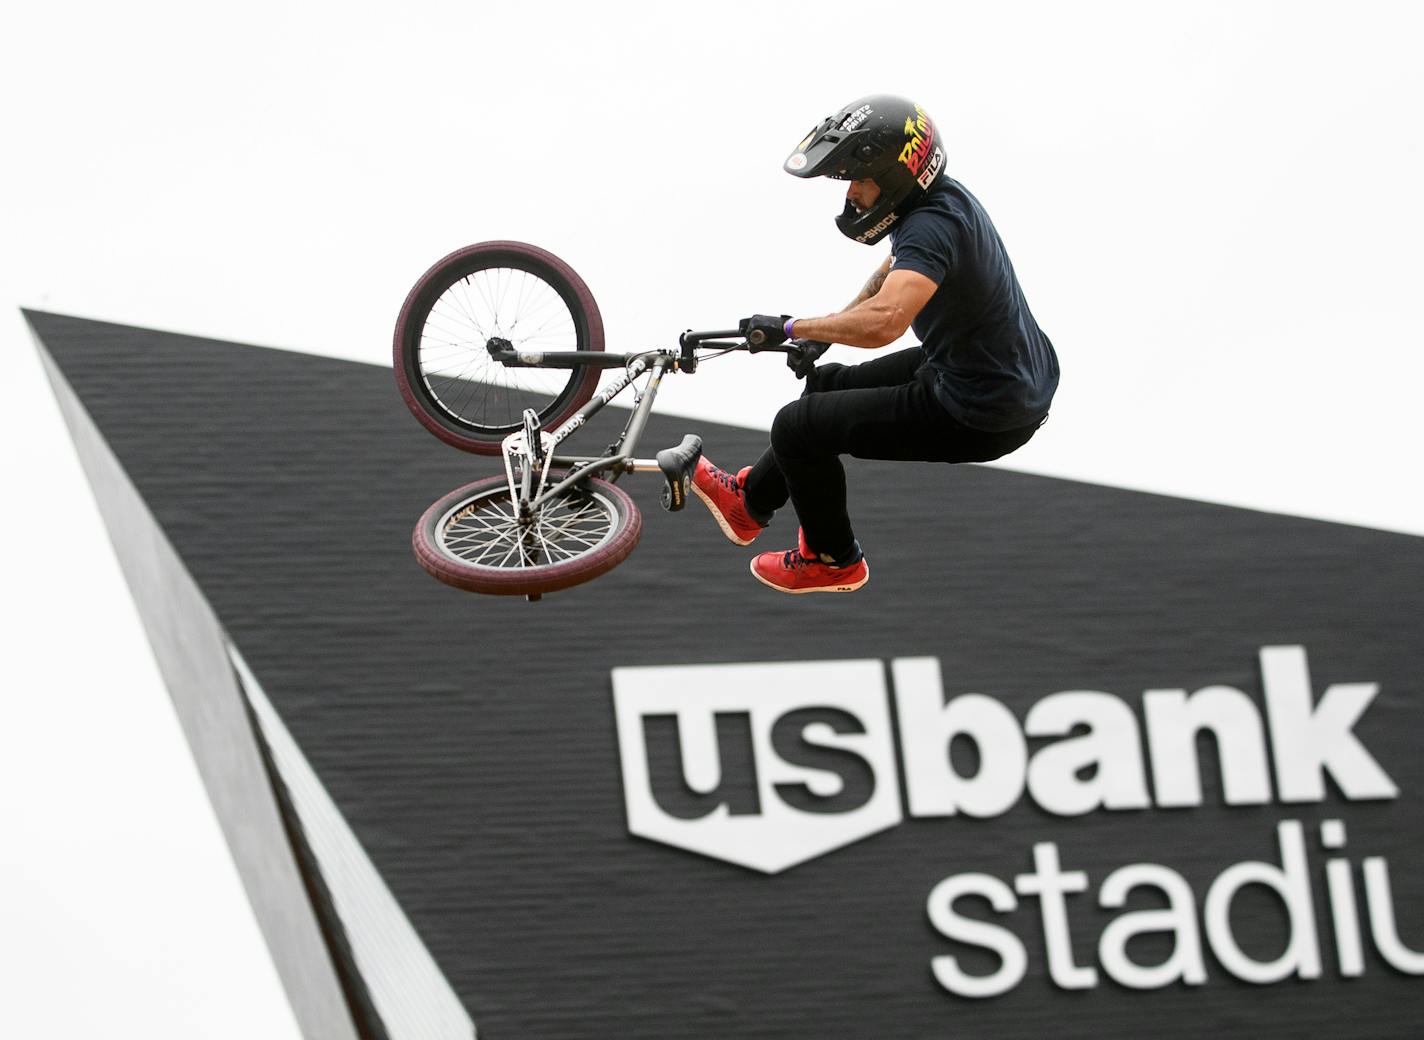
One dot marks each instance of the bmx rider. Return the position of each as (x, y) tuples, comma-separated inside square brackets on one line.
[(977, 387)]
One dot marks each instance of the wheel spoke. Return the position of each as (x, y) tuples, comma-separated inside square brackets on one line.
[(458, 374), (487, 532)]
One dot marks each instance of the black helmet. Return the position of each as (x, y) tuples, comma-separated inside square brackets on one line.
[(884, 138)]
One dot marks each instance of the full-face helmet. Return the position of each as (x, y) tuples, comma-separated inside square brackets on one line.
[(884, 138)]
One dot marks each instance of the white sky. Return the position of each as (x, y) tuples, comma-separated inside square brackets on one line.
[(1215, 210)]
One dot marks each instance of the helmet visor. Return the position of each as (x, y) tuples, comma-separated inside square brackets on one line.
[(824, 152)]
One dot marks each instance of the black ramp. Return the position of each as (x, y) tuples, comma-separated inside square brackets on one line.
[(472, 744)]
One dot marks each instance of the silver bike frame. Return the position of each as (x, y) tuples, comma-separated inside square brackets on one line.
[(619, 459), (532, 448)]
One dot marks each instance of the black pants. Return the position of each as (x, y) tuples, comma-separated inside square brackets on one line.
[(881, 409)]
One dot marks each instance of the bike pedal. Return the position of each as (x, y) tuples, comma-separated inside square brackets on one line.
[(677, 465)]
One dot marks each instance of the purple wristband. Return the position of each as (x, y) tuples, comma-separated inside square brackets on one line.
[(787, 328)]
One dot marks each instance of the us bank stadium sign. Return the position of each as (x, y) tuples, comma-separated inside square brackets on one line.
[(769, 765)]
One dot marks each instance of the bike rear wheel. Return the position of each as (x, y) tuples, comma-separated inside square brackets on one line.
[(474, 539), (508, 290)]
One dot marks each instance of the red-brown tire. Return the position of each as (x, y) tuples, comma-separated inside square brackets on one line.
[(585, 532), (443, 368)]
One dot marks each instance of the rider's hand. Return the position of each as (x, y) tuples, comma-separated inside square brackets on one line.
[(803, 354), (764, 330)]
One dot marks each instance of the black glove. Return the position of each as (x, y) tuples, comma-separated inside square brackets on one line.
[(763, 330), (803, 354)]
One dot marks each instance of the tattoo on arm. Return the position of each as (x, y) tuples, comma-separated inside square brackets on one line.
[(873, 285)]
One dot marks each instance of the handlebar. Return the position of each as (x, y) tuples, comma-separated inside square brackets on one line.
[(735, 339), (803, 352), (690, 339)]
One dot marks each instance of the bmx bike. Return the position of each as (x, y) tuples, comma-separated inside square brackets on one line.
[(498, 351)]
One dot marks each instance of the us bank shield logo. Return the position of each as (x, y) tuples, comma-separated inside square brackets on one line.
[(761, 765)]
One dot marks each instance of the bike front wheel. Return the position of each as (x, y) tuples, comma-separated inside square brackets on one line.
[(510, 291), (474, 538)]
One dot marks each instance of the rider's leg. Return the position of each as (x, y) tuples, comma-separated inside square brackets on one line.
[(765, 486), (905, 423), (893, 369)]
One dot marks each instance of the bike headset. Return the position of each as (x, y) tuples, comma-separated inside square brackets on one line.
[(884, 138)]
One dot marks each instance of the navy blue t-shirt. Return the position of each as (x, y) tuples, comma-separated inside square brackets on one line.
[(994, 368)]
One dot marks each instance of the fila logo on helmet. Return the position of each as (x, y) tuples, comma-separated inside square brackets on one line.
[(932, 170)]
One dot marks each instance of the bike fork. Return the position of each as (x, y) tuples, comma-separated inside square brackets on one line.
[(526, 457), (527, 453)]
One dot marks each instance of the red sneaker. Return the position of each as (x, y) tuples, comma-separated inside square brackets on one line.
[(798, 570), (723, 494)]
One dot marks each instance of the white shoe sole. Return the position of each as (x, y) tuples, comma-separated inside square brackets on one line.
[(717, 515)]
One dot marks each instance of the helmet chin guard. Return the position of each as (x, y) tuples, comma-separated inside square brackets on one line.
[(883, 138), (869, 225)]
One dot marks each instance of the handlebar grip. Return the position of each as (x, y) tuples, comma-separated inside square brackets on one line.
[(803, 355)]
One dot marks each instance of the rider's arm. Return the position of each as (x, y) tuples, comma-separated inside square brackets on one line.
[(876, 320), (872, 286)]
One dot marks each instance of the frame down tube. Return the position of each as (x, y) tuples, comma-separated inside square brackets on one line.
[(627, 441)]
